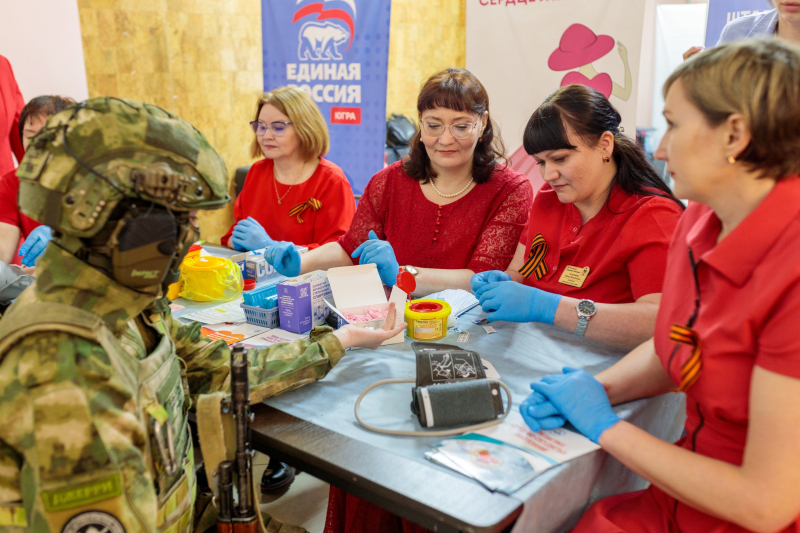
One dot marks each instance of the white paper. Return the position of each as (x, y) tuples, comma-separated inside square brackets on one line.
[(273, 336), (227, 312), (460, 301), (232, 333)]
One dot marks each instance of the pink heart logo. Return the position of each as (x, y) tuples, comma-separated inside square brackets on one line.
[(601, 82)]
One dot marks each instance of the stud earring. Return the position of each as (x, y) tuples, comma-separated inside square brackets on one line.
[(731, 160), (607, 159)]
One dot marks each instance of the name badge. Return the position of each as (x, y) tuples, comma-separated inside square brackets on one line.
[(574, 276)]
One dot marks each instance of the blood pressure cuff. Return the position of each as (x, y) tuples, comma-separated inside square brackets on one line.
[(445, 363), (451, 387)]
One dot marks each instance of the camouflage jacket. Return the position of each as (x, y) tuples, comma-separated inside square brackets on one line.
[(55, 393)]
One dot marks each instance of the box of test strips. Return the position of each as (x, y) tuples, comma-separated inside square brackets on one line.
[(301, 301)]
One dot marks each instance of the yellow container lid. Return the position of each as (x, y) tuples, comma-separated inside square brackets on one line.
[(206, 263)]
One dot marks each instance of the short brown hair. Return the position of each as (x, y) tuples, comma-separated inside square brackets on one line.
[(759, 79), (304, 115), (42, 107), (457, 89)]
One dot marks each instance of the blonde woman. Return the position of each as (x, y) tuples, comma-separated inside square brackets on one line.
[(726, 332), (293, 194)]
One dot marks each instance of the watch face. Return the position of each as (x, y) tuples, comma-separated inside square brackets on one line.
[(586, 307)]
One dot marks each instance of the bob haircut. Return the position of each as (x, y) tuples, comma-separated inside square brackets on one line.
[(589, 114), (759, 79), (42, 107), (457, 89), (304, 115)]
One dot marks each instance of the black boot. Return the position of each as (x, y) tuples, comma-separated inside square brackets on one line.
[(277, 477)]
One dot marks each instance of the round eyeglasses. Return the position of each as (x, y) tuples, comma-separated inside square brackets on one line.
[(277, 128), (460, 131)]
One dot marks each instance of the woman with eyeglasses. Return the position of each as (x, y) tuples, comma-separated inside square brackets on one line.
[(293, 194), (596, 246), (453, 208), (726, 333)]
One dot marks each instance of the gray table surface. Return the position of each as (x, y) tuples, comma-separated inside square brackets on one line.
[(521, 353)]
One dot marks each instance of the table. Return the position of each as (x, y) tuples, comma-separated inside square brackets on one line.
[(314, 429)]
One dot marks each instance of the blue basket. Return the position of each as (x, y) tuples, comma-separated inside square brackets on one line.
[(257, 297), (266, 318)]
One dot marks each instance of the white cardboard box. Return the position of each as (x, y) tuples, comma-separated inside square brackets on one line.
[(357, 288)]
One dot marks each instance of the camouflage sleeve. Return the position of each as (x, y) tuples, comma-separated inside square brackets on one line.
[(71, 449), (273, 370)]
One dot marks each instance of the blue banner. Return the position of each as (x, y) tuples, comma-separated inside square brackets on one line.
[(338, 52), (721, 12)]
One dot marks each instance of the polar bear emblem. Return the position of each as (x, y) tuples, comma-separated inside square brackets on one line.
[(318, 41)]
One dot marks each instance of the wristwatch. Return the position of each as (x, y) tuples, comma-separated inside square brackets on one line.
[(411, 270), (586, 310)]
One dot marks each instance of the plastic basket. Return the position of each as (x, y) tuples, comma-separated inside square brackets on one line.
[(266, 318), (256, 297)]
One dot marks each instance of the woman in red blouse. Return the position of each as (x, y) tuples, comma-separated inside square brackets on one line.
[(597, 239), (726, 333), (450, 210), (293, 194)]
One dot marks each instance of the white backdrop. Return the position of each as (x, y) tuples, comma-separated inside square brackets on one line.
[(510, 45), (42, 41)]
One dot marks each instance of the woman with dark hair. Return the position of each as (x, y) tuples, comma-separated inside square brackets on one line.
[(726, 334), (13, 224), (599, 229), (452, 209)]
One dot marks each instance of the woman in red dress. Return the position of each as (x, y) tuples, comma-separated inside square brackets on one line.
[(726, 332), (599, 228), (453, 208), (293, 194)]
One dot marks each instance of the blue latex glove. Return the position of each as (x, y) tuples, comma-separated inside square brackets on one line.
[(581, 399), (379, 252), (249, 235), (34, 245), (479, 281), (540, 413), (515, 302), (284, 257)]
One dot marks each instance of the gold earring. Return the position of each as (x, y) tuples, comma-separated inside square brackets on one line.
[(607, 159), (731, 160)]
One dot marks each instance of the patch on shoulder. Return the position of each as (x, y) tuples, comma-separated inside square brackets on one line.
[(93, 522)]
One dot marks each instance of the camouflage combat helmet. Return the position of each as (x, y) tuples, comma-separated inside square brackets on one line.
[(116, 179), (92, 155)]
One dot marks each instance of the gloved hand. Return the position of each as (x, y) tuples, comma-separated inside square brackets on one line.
[(540, 413), (34, 245), (581, 399), (515, 302), (379, 252), (284, 257), (479, 281), (249, 235)]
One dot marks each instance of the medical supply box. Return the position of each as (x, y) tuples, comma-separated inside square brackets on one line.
[(301, 301)]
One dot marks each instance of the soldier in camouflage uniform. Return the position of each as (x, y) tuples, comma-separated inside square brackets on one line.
[(95, 375)]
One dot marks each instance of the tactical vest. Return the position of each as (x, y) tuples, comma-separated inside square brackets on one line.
[(159, 388)]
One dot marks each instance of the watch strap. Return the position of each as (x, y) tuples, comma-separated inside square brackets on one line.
[(583, 322)]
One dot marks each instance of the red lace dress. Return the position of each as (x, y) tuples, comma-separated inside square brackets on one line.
[(479, 231)]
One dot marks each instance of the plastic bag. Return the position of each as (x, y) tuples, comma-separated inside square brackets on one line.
[(210, 279)]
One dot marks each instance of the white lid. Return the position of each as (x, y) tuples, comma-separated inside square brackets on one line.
[(356, 286)]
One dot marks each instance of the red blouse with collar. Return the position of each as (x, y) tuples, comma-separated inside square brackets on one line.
[(625, 245)]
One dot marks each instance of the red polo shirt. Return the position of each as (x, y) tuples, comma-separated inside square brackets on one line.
[(749, 304), (11, 104), (625, 245), (328, 184), (9, 208)]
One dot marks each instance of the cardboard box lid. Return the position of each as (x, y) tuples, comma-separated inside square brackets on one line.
[(356, 286)]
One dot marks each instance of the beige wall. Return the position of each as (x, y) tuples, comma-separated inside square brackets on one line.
[(200, 59), (425, 38)]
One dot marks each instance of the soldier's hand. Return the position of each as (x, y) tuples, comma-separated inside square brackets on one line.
[(351, 336)]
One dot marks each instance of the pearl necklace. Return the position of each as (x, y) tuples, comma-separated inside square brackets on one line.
[(454, 194)]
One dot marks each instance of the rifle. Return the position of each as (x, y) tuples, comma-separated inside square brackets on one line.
[(240, 515)]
